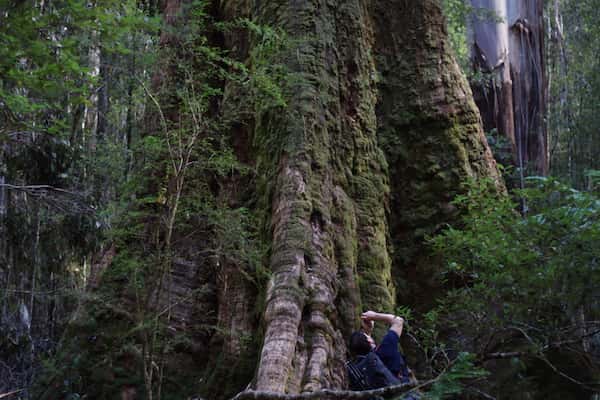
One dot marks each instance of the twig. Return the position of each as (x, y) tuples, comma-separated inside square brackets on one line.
[(481, 393), (34, 188), (76, 202), (172, 305), (163, 121), (5, 395), (572, 341), (500, 355), (539, 355), (36, 292), (567, 377)]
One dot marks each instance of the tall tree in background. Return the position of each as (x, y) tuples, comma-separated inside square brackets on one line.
[(574, 85), (55, 181), (510, 82)]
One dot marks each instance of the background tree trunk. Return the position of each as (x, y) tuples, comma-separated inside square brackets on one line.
[(509, 45)]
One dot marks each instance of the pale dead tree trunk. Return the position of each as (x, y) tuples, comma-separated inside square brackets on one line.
[(5, 267), (509, 44), (105, 61), (90, 114), (556, 77), (3, 206), (490, 54)]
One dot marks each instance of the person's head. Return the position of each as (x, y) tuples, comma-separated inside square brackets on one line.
[(360, 344)]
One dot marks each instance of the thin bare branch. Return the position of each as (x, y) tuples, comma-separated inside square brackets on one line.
[(63, 200), (501, 355), (34, 188), (5, 395), (540, 356), (567, 377), (328, 394), (163, 121), (481, 393)]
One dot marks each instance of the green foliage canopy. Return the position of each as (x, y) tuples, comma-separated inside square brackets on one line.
[(525, 283), (44, 62)]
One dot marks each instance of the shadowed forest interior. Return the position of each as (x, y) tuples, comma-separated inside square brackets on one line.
[(200, 198)]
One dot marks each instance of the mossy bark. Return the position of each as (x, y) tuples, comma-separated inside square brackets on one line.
[(430, 130), (379, 134), (329, 195)]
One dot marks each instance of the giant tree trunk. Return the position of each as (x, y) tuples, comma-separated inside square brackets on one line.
[(431, 131), (379, 134), (329, 196), (509, 45)]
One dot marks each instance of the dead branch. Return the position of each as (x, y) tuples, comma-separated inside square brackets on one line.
[(37, 189), (481, 393), (5, 395), (540, 356), (501, 355), (575, 340), (567, 377), (63, 200), (327, 394)]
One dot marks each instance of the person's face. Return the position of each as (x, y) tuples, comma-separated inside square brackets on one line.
[(371, 341)]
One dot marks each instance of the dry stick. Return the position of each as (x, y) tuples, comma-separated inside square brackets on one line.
[(567, 377), (501, 355), (31, 188), (541, 357), (482, 394), (5, 395), (578, 339), (328, 394)]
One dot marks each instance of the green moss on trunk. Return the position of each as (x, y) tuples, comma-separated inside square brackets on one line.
[(430, 131)]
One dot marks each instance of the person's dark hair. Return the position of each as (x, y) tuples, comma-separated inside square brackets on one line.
[(359, 345)]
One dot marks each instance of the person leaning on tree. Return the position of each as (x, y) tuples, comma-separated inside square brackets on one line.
[(374, 366)]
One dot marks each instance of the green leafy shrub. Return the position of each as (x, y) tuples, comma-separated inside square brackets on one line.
[(524, 287)]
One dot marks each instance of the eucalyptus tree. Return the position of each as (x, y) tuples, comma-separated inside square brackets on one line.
[(318, 169), (508, 55)]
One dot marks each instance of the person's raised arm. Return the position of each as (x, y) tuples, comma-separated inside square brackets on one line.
[(396, 323)]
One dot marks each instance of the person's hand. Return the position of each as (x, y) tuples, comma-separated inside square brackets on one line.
[(369, 316), (394, 321), (367, 325)]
